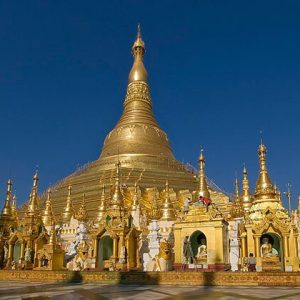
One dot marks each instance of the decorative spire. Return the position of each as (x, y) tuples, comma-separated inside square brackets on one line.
[(137, 132), (237, 210), (32, 206), (278, 193), (236, 188), (168, 213), (81, 215), (298, 208), (135, 200), (203, 188), (246, 196), (264, 189), (47, 217), (117, 197), (52, 240), (14, 208), (69, 210), (102, 206), (7, 211), (138, 71)]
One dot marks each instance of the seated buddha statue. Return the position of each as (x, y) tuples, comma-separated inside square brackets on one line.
[(266, 248), (202, 249)]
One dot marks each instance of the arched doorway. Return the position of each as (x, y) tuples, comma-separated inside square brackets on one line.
[(17, 252), (198, 239), (105, 250), (271, 246)]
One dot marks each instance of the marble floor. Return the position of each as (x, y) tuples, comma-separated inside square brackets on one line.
[(41, 291)]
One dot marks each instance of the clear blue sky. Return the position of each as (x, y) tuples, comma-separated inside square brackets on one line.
[(220, 71)]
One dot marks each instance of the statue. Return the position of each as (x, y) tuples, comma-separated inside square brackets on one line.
[(202, 249), (164, 258), (186, 204), (187, 251), (28, 252), (266, 248), (5, 252), (122, 258)]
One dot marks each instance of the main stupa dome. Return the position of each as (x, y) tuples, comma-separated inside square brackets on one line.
[(136, 142)]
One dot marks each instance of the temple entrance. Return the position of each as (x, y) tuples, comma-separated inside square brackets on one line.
[(271, 252), (199, 244), (105, 250), (17, 252)]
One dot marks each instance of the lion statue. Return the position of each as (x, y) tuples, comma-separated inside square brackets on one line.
[(162, 262)]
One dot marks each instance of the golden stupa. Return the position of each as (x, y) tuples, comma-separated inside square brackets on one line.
[(136, 142)]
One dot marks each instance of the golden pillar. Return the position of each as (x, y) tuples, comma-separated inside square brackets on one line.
[(115, 246), (138, 262), (95, 248), (35, 251), (22, 250), (296, 245), (244, 249), (286, 246), (257, 246), (10, 252)]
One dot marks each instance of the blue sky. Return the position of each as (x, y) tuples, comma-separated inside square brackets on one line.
[(219, 71)]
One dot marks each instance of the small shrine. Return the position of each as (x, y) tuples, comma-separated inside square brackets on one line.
[(201, 233)]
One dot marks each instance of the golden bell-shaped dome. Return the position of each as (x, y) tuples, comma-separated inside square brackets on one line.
[(137, 132)]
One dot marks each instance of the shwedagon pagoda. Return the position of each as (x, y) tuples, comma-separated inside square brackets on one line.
[(137, 208)]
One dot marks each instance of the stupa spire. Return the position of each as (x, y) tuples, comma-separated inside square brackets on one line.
[(48, 213), (82, 215), (14, 208), (137, 131), (116, 202), (203, 188), (138, 71), (264, 189), (135, 200), (102, 206), (237, 208), (69, 210), (168, 213), (7, 211), (246, 196), (32, 206), (52, 239)]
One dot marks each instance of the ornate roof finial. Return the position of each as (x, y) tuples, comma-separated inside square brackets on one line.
[(203, 188), (135, 200), (288, 195), (138, 71), (246, 196), (14, 208), (237, 210), (264, 189), (69, 210), (116, 202), (236, 188), (7, 210), (52, 240), (102, 206), (81, 215), (298, 208), (168, 213), (48, 213), (32, 206)]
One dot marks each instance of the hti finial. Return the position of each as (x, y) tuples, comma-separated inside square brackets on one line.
[(261, 137), (139, 31)]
